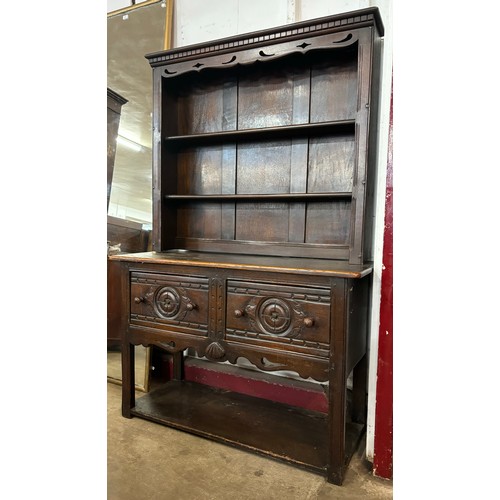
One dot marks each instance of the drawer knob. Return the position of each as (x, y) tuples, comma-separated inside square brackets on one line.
[(138, 300), (190, 306), (238, 313), (308, 322)]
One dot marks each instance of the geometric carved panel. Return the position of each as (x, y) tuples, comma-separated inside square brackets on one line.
[(167, 302)]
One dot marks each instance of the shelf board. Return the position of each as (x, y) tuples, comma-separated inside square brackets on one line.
[(267, 133), (250, 198), (276, 430)]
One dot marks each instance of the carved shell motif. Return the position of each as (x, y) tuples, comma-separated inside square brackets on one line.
[(215, 351)]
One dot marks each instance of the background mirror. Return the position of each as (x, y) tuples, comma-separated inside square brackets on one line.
[(131, 34), (142, 367)]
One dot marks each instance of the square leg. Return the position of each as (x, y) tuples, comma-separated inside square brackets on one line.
[(128, 378), (359, 391)]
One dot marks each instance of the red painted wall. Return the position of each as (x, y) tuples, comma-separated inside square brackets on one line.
[(383, 441)]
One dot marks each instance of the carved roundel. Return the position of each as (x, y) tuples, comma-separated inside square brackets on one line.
[(167, 302), (274, 316)]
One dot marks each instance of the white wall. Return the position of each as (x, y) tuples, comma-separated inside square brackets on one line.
[(194, 22), (198, 21)]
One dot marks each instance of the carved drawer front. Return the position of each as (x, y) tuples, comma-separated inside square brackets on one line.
[(165, 301), (291, 317)]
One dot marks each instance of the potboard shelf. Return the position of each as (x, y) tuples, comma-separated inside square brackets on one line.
[(204, 411)]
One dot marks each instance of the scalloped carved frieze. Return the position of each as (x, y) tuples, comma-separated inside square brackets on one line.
[(317, 371), (268, 53), (169, 346)]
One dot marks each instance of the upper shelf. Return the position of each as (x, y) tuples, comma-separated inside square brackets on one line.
[(267, 133)]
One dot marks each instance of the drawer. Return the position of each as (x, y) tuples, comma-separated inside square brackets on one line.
[(268, 313), (169, 301)]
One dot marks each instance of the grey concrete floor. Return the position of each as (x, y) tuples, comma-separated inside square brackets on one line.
[(148, 461)]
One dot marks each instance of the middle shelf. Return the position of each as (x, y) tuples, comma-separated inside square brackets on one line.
[(258, 197), (264, 133)]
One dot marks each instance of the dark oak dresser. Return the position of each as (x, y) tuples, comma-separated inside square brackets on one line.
[(263, 213)]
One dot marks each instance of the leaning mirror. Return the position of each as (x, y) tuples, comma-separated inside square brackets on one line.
[(132, 32)]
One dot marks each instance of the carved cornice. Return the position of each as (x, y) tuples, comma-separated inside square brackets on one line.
[(323, 25)]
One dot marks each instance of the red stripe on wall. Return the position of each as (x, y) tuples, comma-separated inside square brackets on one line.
[(274, 389), (293, 392), (383, 442)]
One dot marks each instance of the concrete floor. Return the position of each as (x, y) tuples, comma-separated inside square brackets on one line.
[(147, 461)]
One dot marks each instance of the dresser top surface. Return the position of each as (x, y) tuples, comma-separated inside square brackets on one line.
[(333, 268)]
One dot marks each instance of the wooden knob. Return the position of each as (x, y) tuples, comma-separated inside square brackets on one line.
[(308, 322), (190, 306), (138, 300), (238, 313)]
